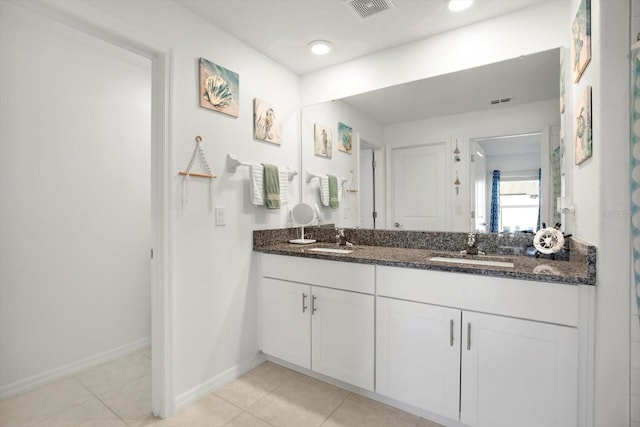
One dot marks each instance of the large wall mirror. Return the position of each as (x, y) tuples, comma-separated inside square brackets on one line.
[(423, 154)]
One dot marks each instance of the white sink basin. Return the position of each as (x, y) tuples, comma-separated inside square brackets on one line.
[(331, 250), (486, 262)]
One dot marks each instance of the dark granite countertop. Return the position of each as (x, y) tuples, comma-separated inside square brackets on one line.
[(524, 267), (578, 269)]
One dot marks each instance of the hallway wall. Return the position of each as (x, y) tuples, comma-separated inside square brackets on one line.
[(74, 199)]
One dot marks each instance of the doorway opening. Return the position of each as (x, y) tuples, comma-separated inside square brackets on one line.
[(156, 257)]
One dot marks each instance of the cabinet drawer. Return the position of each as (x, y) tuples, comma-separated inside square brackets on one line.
[(332, 274), (546, 302)]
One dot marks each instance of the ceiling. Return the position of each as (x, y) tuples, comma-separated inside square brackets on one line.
[(281, 29), (527, 79)]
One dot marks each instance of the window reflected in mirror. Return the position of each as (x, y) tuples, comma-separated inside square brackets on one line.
[(519, 205)]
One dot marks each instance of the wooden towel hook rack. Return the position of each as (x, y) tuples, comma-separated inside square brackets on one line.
[(200, 154)]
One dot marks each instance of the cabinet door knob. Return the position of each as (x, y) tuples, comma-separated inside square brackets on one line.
[(468, 336), (304, 300), (313, 304)]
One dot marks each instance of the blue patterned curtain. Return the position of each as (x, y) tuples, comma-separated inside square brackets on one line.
[(635, 181), (494, 221), (539, 196)]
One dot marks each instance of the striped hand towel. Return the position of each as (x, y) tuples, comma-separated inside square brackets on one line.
[(284, 186), (256, 184), (324, 190)]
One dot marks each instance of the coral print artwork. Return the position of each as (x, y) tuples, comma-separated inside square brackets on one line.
[(581, 39), (267, 125), (345, 135), (219, 88)]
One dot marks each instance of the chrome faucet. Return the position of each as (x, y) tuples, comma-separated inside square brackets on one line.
[(472, 245), (341, 238)]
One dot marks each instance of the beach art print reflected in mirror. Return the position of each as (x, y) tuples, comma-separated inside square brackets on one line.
[(322, 140), (219, 88), (345, 138)]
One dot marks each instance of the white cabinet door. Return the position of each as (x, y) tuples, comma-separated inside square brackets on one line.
[(518, 373), (285, 321), (343, 336), (418, 355)]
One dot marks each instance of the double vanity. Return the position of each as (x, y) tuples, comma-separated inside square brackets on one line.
[(494, 340)]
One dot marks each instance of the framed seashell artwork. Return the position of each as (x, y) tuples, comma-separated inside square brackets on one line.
[(219, 88), (267, 123)]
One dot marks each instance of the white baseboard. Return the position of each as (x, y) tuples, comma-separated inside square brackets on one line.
[(196, 393), (64, 371)]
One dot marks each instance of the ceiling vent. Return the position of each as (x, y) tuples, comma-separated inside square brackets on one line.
[(501, 100), (366, 8)]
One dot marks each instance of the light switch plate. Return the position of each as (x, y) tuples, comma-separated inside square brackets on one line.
[(221, 216)]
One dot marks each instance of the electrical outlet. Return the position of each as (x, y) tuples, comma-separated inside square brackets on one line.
[(221, 217)]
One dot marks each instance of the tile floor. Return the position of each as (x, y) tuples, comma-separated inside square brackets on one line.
[(117, 394)]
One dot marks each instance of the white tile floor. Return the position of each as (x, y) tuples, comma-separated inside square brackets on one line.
[(117, 394)]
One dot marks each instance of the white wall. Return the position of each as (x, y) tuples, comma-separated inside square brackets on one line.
[(214, 297), (513, 163), (464, 127), (601, 196), (340, 164), (75, 192)]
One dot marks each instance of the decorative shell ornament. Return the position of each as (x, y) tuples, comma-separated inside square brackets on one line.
[(217, 91)]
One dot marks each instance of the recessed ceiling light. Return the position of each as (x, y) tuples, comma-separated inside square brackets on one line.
[(458, 5), (320, 47)]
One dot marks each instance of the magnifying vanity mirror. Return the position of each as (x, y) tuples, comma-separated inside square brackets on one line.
[(302, 215), (424, 152)]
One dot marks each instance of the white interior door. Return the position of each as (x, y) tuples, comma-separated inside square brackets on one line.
[(480, 190), (420, 189)]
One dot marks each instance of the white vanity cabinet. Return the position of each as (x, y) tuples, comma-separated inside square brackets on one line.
[(319, 315), (481, 351), (418, 355), (485, 370), (285, 323), (518, 372)]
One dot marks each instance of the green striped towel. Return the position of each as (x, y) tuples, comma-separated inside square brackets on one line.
[(271, 186), (333, 192)]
